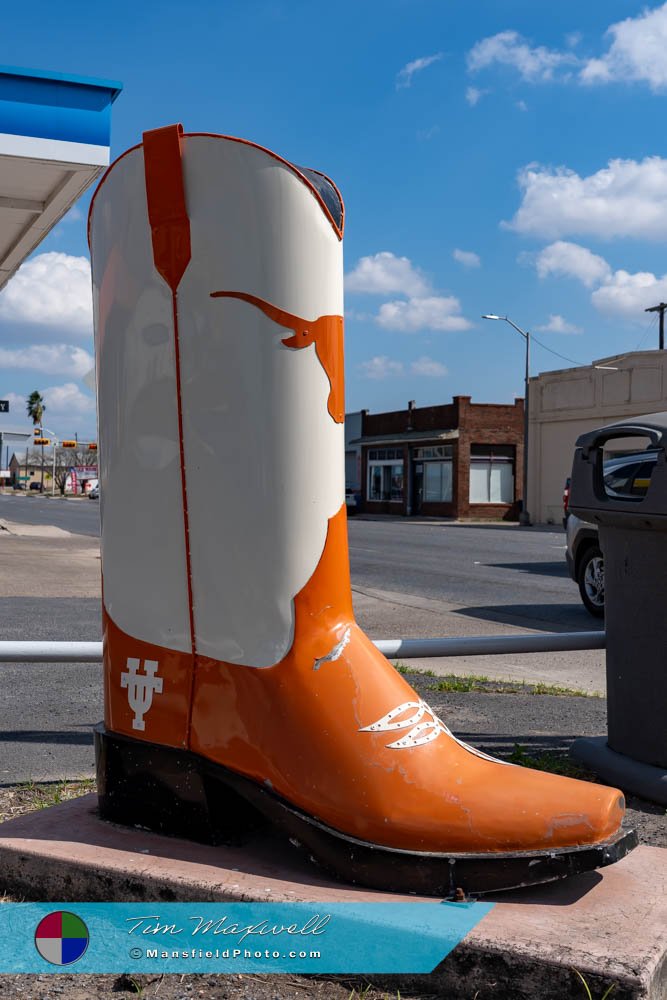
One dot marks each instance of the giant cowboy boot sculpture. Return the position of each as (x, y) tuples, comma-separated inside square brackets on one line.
[(237, 684)]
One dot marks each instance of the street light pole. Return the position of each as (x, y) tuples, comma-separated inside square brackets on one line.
[(524, 516)]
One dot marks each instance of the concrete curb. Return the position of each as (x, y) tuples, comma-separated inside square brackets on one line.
[(608, 925)]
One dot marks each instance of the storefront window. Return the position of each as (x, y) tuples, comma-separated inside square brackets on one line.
[(491, 474), (437, 482), (385, 480)]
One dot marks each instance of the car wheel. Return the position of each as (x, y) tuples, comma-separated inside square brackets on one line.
[(590, 578)]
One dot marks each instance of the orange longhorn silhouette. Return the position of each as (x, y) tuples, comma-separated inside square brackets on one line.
[(326, 333)]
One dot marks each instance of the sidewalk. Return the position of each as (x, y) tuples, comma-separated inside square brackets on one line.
[(389, 615)]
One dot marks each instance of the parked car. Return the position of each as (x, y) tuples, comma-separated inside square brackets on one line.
[(628, 477), (36, 486), (94, 493), (352, 501), (18, 486)]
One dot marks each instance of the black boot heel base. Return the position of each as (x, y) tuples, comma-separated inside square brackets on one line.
[(179, 793)]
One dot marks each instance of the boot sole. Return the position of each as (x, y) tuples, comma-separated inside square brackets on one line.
[(181, 794)]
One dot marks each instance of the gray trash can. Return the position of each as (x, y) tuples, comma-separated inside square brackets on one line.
[(632, 521)]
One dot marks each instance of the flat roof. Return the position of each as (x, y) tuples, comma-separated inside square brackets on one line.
[(45, 74), (55, 137), (400, 437)]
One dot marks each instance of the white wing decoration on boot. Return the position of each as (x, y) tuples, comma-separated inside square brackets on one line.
[(421, 732)]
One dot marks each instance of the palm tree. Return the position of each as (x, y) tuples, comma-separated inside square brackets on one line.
[(35, 406)]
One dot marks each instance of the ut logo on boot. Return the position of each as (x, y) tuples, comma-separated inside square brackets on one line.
[(140, 688)]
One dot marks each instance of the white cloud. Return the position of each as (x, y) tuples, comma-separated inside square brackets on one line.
[(433, 312), (474, 95), (63, 405), (557, 324), (521, 105), (54, 359), (618, 293), (428, 133), (628, 295), (17, 409), (404, 76), (381, 367), (422, 309), (467, 258), (509, 48), (428, 367), (51, 290), (625, 198), (636, 53), (68, 400), (383, 273), (572, 261)]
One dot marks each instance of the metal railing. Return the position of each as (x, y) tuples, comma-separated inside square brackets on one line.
[(477, 645)]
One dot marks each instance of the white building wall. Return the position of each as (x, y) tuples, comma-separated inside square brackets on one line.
[(565, 404)]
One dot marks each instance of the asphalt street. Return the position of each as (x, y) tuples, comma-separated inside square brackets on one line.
[(422, 578), (497, 572), (81, 516), (501, 573)]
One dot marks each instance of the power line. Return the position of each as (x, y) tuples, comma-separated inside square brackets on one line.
[(651, 323), (660, 309), (551, 351)]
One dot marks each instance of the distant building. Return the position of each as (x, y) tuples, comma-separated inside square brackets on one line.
[(566, 403), (79, 478), (460, 460), (353, 432)]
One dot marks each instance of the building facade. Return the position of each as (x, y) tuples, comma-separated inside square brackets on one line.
[(461, 460), (353, 432), (566, 403)]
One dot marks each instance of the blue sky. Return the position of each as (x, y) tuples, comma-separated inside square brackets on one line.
[(493, 157)]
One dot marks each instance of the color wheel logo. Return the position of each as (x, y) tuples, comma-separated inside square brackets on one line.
[(61, 938)]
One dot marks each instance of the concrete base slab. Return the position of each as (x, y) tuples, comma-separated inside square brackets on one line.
[(620, 770), (611, 926)]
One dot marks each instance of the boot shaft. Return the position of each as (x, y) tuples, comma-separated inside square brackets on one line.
[(221, 416)]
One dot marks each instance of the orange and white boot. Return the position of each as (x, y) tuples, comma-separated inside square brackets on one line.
[(238, 687)]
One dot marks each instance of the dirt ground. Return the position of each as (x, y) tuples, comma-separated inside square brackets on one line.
[(176, 987)]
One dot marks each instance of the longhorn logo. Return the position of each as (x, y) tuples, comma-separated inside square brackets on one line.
[(140, 688)]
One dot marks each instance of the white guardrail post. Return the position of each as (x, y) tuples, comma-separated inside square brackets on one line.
[(475, 645)]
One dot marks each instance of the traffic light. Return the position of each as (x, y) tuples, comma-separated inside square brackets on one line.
[(37, 431), (68, 444), (92, 446), (42, 441)]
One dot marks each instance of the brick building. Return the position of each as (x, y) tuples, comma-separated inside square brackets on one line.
[(462, 460)]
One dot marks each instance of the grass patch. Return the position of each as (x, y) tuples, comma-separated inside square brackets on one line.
[(403, 668), (473, 682), (478, 682), (554, 762), (32, 795)]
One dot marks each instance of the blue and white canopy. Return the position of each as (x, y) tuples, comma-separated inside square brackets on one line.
[(54, 141)]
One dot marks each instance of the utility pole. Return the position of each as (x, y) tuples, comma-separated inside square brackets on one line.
[(660, 309)]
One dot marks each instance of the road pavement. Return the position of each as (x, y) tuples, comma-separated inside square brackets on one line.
[(497, 572), (80, 516)]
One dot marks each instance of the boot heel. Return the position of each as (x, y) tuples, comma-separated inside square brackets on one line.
[(167, 790)]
